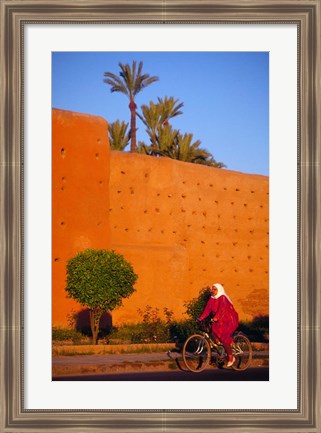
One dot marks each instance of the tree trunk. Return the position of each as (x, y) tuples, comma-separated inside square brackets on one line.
[(132, 107), (154, 144), (94, 324)]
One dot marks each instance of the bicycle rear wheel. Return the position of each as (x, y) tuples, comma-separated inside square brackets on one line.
[(242, 350), (196, 353)]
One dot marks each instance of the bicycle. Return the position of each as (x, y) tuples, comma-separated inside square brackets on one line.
[(200, 350)]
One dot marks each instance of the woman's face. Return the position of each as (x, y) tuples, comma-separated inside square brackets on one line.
[(214, 290)]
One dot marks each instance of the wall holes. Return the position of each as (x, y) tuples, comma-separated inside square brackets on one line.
[(157, 210), (211, 185), (183, 210), (98, 140), (234, 244), (62, 223), (57, 259), (119, 191), (145, 211), (183, 196), (236, 189), (170, 196), (62, 152), (245, 204), (123, 172), (131, 190), (202, 242), (97, 155), (204, 213)]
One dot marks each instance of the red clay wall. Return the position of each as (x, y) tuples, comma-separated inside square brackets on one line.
[(182, 226), (185, 226), (80, 201)]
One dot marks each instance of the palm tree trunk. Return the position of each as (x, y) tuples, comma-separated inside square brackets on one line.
[(132, 107), (154, 143)]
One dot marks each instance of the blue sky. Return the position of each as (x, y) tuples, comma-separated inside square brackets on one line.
[(225, 96)]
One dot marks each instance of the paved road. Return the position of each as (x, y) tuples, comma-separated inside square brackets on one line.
[(252, 374), (109, 359), (120, 358)]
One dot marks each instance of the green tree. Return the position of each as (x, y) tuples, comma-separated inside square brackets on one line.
[(187, 150), (99, 280), (118, 135), (195, 306), (131, 82), (151, 117), (155, 117), (169, 108)]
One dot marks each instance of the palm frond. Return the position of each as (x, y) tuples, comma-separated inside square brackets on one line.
[(118, 136)]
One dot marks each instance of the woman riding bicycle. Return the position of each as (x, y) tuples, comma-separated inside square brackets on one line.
[(225, 319)]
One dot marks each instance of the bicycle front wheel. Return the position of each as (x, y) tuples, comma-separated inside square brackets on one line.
[(196, 353), (242, 350)]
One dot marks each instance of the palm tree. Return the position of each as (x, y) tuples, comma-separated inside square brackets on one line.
[(187, 150), (151, 117), (156, 116), (118, 135), (166, 139), (130, 83), (169, 108)]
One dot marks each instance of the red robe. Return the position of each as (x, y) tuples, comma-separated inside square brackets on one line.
[(227, 318)]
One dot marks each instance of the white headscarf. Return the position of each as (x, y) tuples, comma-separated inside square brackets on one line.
[(220, 291)]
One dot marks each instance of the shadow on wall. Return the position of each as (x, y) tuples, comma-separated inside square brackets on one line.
[(82, 323)]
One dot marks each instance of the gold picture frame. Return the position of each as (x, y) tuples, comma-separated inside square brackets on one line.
[(306, 15)]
